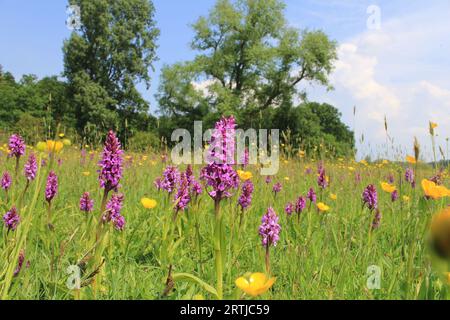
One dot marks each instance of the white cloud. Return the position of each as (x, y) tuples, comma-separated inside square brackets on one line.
[(400, 71)]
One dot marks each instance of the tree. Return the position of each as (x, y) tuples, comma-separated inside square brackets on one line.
[(313, 124), (30, 102), (104, 60), (249, 61)]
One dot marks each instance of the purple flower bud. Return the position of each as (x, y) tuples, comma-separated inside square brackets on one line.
[(311, 195), (376, 220), (86, 203), (51, 189), (171, 178), (113, 208), (269, 230), (322, 179), (218, 174), (222, 143), (182, 197), (245, 200), (6, 181), (300, 205), (370, 197), (196, 188), (111, 164), (16, 146), (19, 263), (11, 219), (289, 209), (158, 183), (268, 179), (394, 195), (277, 187), (409, 175), (31, 168)]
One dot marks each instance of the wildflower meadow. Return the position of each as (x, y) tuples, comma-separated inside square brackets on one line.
[(224, 150), (102, 223)]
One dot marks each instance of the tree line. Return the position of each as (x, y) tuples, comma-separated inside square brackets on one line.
[(249, 62)]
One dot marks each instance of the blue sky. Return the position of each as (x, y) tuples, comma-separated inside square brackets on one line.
[(400, 70)]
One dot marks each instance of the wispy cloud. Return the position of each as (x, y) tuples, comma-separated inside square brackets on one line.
[(400, 72)]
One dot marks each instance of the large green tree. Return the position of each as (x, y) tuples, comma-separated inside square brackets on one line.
[(249, 60), (33, 106), (107, 57)]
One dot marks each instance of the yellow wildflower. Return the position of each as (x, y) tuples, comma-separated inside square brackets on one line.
[(388, 187), (257, 284), (410, 159), (54, 146), (322, 207), (148, 203), (333, 196), (433, 190), (244, 175), (440, 229)]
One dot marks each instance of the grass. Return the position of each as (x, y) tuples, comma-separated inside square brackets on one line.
[(329, 263)]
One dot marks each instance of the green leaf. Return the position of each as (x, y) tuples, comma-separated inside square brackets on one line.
[(192, 278)]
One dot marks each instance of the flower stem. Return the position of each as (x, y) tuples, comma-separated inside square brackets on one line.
[(267, 259), (218, 249)]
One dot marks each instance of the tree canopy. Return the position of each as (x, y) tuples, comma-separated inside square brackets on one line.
[(104, 60), (249, 59)]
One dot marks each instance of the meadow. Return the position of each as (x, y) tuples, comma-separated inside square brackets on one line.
[(172, 250)]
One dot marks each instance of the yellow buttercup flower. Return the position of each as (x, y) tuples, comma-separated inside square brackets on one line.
[(61, 135), (388, 187), (54, 146), (322, 207), (257, 284), (385, 161), (333, 196), (406, 198), (433, 125), (244, 175), (148, 203), (433, 190), (286, 178), (86, 173), (351, 169), (410, 159), (440, 229)]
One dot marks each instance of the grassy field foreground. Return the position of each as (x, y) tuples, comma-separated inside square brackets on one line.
[(321, 254)]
